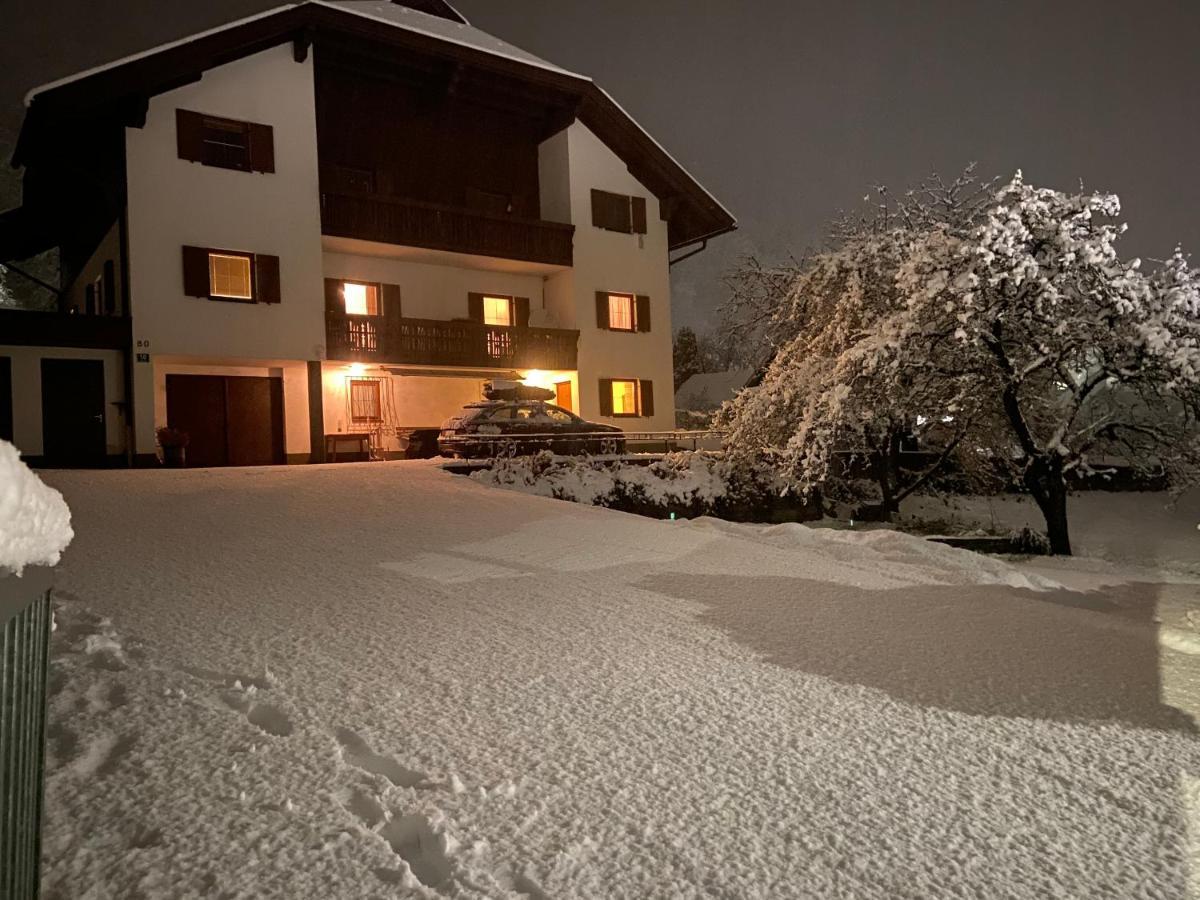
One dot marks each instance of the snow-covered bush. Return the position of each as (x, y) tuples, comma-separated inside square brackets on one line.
[(685, 484), (35, 523)]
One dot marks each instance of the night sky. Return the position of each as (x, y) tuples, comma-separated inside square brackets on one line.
[(789, 110)]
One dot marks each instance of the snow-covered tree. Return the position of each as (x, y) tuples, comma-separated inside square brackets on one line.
[(6, 297), (834, 402), (1077, 357), (686, 355)]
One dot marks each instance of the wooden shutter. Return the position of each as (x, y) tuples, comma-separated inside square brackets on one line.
[(643, 312), (521, 312), (475, 307), (599, 208), (266, 279), (195, 272), (647, 392), (602, 310), (390, 300), (262, 147), (189, 135), (639, 215), (110, 288), (606, 404), (334, 301)]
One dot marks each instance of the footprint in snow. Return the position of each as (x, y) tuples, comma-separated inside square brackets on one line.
[(266, 717), (413, 839), (356, 752), (102, 755)]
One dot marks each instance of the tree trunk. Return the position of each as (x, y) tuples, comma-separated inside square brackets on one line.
[(1044, 478), (885, 478)]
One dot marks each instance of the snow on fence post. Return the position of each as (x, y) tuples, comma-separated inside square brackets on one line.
[(24, 654), (35, 527)]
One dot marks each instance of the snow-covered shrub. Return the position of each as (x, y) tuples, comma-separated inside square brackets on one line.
[(35, 523), (686, 484)]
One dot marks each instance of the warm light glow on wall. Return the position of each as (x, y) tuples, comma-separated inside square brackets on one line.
[(356, 368), (538, 378)]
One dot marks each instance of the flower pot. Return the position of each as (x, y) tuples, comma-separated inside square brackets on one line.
[(174, 457)]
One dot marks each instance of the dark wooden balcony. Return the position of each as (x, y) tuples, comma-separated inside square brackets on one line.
[(432, 342), (33, 328), (388, 220)]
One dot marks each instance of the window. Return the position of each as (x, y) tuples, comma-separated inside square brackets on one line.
[(559, 415), (624, 398), (361, 299), (365, 400), (224, 143), (229, 276), (618, 212), (620, 312), (497, 310)]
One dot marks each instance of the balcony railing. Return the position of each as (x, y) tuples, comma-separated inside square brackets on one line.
[(432, 342), (371, 217)]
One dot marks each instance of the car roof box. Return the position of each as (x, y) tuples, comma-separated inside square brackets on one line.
[(513, 390)]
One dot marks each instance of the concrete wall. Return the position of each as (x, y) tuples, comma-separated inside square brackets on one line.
[(610, 261), (173, 202), (27, 394)]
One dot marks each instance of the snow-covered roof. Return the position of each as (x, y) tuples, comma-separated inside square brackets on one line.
[(708, 390), (443, 29), (379, 10)]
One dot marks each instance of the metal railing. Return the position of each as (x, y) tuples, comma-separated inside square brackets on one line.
[(24, 655)]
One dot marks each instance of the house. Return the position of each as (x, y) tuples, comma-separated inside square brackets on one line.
[(337, 217)]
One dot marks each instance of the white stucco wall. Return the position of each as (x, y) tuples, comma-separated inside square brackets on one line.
[(173, 202), (27, 394), (440, 292), (610, 261)]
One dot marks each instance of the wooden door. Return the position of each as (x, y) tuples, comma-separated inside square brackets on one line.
[(73, 413), (6, 399), (196, 405), (231, 420), (562, 395), (254, 416)]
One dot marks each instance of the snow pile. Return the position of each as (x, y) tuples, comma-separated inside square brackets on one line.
[(35, 523)]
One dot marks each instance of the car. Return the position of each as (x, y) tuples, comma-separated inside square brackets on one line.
[(494, 427)]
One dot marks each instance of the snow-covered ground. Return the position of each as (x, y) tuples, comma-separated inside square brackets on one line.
[(384, 681)]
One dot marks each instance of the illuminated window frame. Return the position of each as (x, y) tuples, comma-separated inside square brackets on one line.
[(366, 400), (622, 312), (621, 394), (366, 303), (227, 281), (492, 306)]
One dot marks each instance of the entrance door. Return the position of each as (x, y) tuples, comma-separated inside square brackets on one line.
[(73, 412), (230, 420), (562, 394)]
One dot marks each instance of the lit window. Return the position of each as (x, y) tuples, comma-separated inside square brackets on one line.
[(361, 299), (624, 398), (229, 276), (497, 310), (365, 400), (620, 312)]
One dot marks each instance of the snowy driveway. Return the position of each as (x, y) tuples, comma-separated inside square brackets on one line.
[(384, 681)]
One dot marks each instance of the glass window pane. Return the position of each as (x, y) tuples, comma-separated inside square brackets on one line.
[(624, 398), (229, 276), (497, 311), (361, 299), (620, 312)]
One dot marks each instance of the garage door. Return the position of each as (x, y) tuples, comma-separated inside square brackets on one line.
[(231, 420)]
